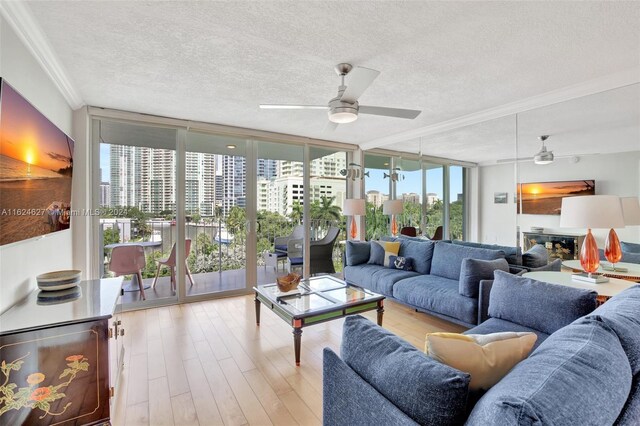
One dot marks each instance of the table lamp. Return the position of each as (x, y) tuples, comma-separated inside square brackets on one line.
[(353, 207), (593, 211), (393, 208), (630, 210)]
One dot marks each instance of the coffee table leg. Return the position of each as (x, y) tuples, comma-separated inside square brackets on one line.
[(380, 312), (297, 339), (257, 310)]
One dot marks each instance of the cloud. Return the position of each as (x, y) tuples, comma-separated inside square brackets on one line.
[(59, 157)]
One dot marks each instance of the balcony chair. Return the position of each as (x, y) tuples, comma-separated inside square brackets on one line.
[(129, 260), (279, 253), (320, 257), (438, 234), (409, 231), (171, 263)]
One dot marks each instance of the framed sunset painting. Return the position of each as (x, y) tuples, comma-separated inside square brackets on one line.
[(546, 197)]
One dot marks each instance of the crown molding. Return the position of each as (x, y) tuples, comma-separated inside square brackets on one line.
[(19, 17), (590, 87)]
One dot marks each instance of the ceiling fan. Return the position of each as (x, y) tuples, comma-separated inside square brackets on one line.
[(344, 108)]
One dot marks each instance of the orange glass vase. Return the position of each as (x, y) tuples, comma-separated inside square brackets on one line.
[(589, 257), (394, 225), (612, 249), (354, 228)]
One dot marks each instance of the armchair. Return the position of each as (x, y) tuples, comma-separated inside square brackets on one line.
[(281, 243), (321, 255)]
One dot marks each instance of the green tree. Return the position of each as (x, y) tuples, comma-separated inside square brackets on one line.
[(111, 235), (325, 210), (376, 223), (235, 220), (297, 211)]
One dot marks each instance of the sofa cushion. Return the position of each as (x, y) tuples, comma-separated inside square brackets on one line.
[(496, 325), (383, 280), (361, 275), (512, 254), (630, 247), (357, 252), (536, 257), (447, 258), (427, 391), (578, 376), (437, 294), (629, 257), (475, 270), (420, 251), (487, 357), (381, 251), (622, 314), (400, 262), (631, 411), (555, 307)]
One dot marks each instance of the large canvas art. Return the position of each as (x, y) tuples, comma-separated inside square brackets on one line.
[(35, 171), (546, 197)]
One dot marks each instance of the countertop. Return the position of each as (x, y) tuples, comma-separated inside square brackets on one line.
[(97, 299)]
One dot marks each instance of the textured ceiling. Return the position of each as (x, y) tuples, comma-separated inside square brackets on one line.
[(216, 61)]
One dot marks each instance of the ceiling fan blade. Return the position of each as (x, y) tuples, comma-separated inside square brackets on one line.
[(358, 80), (330, 126), (389, 112), (285, 106)]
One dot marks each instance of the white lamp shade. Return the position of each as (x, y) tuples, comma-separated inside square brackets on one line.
[(631, 210), (354, 207), (591, 211), (392, 207)]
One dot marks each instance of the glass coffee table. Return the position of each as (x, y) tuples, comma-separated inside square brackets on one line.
[(316, 300)]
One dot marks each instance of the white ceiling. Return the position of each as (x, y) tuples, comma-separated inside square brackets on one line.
[(216, 61)]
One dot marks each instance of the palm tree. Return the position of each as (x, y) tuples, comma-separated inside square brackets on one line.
[(297, 212), (325, 210)]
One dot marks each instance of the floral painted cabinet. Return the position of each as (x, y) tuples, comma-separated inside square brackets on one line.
[(58, 373)]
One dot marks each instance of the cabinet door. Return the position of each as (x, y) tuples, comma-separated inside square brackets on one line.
[(55, 375), (116, 349)]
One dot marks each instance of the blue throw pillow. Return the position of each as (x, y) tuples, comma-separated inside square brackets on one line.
[(475, 270), (399, 262), (357, 252), (535, 304), (376, 256), (447, 258), (536, 257), (630, 247), (429, 392), (420, 251)]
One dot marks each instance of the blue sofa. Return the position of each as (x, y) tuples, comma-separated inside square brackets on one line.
[(585, 369), (443, 282)]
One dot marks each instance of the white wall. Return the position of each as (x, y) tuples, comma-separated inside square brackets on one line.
[(615, 174), (20, 262)]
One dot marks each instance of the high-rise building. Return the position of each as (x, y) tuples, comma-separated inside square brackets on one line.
[(376, 198), (105, 194), (234, 182), (267, 169), (411, 197), (432, 198)]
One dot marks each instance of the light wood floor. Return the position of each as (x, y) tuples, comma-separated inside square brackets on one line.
[(207, 363)]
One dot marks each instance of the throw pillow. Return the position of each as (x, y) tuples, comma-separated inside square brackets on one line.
[(473, 271), (486, 357), (399, 262), (428, 391), (381, 251), (357, 252), (536, 257)]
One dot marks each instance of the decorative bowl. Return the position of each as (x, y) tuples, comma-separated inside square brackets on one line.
[(56, 297), (288, 282), (58, 280)]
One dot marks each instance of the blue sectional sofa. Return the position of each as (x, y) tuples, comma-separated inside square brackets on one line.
[(444, 282), (585, 369)]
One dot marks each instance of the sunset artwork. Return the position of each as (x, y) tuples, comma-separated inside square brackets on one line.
[(35, 171), (546, 197)]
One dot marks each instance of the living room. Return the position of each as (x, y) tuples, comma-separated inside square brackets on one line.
[(503, 141)]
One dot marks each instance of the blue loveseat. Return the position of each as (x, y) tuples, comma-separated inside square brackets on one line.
[(585, 369), (444, 281)]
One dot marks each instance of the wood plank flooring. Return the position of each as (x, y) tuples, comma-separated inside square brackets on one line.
[(207, 363)]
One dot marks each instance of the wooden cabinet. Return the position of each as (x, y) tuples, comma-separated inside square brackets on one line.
[(559, 246), (59, 357)]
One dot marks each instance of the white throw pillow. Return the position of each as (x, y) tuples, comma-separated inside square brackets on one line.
[(486, 357)]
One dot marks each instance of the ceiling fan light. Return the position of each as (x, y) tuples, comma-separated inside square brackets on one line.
[(543, 157), (342, 117)]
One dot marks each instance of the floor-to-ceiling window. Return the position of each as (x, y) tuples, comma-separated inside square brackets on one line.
[(137, 199), (378, 185), (408, 180), (434, 199), (457, 177)]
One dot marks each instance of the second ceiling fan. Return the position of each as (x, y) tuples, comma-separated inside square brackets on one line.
[(344, 108)]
